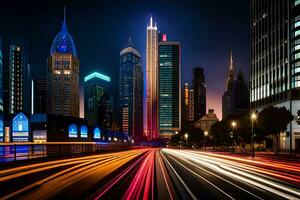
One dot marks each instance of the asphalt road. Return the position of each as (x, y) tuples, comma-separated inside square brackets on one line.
[(153, 174)]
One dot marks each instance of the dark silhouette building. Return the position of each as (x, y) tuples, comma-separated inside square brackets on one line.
[(199, 88), (40, 94), (236, 96)]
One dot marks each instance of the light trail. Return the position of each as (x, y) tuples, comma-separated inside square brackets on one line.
[(94, 168), (143, 182), (235, 170)]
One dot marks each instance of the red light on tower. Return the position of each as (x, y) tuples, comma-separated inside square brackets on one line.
[(164, 37)]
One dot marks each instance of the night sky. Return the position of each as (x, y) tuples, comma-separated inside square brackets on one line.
[(206, 29)]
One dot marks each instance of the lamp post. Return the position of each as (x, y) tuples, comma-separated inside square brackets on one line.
[(205, 135), (186, 136), (233, 124), (253, 118)]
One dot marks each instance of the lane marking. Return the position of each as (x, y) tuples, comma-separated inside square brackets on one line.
[(180, 179)]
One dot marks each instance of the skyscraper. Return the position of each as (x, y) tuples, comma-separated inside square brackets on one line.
[(185, 103), (169, 92), (228, 98), (151, 129), (18, 88), (131, 91), (275, 61), (236, 96), (199, 88), (1, 82), (63, 75), (191, 105), (98, 99)]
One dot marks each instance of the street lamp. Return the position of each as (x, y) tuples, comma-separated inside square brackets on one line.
[(176, 132), (186, 136), (233, 124), (205, 135), (253, 118)]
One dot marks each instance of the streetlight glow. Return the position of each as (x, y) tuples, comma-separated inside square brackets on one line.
[(186, 136), (205, 133), (253, 116), (233, 124)]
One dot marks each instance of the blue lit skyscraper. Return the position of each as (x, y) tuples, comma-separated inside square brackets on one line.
[(169, 98), (131, 91), (63, 75)]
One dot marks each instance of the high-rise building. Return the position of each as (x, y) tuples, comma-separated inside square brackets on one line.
[(191, 116), (131, 91), (151, 129), (228, 98), (1, 82), (199, 88), (169, 92), (39, 94), (98, 99), (275, 61), (185, 103), (18, 79), (63, 75), (236, 96)]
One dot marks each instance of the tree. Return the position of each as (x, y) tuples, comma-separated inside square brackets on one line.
[(273, 121)]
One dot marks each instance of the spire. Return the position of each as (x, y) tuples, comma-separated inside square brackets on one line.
[(64, 26), (151, 21), (65, 12), (231, 63)]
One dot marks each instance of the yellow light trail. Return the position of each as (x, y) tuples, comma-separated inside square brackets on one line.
[(95, 168)]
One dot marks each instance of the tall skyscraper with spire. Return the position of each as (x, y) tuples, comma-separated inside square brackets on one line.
[(236, 96), (63, 75), (151, 129), (231, 73)]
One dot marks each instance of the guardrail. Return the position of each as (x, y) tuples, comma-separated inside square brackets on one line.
[(22, 151)]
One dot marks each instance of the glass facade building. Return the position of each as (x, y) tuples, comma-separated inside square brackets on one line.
[(169, 101), (18, 79), (98, 99), (151, 129), (131, 91), (275, 61), (1, 81)]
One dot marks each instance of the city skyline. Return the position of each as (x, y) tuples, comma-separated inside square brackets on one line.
[(196, 49)]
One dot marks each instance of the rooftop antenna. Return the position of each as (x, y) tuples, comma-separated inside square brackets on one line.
[(65, 10)]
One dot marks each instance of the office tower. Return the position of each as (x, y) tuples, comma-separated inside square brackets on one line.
[(18, 79), (169, 92), (151, 129), (275, 61), (191, 107), (228, 98), (63, 75), (105, 110), (98, 99), (185, 102), (1, 82), (199, 88), (236, 96), (39, 94), (138, 113), (242, 100), (131, 91)]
